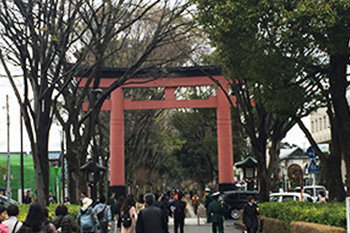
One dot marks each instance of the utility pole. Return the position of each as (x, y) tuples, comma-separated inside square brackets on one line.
[(8, 188), (63, 168), (22, 161)]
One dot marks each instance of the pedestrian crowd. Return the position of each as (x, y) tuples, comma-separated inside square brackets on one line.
[(148, 214)]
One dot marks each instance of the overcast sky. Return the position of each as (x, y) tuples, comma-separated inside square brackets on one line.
[(6, 89)]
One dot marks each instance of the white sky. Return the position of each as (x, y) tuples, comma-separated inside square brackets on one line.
[(14, 112), (297, 137)]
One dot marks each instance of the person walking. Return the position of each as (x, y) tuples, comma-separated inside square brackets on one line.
[(151, 219), (28, 198), (87, 218), (64, 222), (207, 200), (140, 204), (35, 221), (195, 203), (12, 222), (216, 214), (3, 227), (117, 211), (250, 215), (128, 215), (179, 213), (103, 213)]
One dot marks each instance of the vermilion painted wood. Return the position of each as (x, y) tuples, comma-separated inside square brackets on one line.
[(116, 146), (162, 82), (117, 105)]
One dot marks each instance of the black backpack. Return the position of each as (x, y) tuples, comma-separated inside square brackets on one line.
[(126, 219), (179, 209)]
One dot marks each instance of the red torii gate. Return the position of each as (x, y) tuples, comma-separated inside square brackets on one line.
[(177, 77)]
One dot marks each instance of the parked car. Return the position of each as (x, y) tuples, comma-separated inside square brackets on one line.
[(235, 201), (309, 189), (281, 197), (4, 201)]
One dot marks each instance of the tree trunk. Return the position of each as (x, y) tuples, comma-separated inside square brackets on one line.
[(40, 155), (263, 176), (338, 85), (333, 163), (273, 168)]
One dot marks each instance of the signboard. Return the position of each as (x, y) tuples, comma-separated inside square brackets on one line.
[(313, 167), (311, 153)]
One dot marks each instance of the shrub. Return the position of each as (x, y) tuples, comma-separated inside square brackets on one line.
[(333, 214), (23, 210)]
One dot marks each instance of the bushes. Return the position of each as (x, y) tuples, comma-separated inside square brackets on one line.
[(306, 227), (274, 225), (23, 210), (333, 214)]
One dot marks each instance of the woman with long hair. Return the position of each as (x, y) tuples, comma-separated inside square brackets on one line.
[(128, 215), (117, 211), (35, 221)]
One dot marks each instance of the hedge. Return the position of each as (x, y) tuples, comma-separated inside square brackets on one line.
[(23, 210), (272, 225), (333, 214)]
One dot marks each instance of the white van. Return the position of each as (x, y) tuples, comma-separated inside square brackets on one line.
[(281, 197), (309, 189)]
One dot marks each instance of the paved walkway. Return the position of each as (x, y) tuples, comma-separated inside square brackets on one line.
[(191, 226)]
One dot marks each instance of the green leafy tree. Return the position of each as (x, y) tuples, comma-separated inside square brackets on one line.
[(298, 47)]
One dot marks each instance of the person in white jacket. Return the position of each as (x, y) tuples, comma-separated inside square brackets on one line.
[(12, 222)]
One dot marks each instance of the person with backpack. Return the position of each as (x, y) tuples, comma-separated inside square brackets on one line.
[(179, 213), (12, 222), (128, 215), (64, 222), (103, 213), (87, 218)]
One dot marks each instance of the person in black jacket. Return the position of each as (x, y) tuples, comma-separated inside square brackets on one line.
[(250, 215), (151, 219), (179, 213)]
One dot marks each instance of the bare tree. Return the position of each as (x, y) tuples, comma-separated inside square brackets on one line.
[(41, 39)]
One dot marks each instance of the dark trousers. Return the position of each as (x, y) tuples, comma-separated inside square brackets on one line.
[(252, 230), (195, 209), (179, 222), (219, 226)]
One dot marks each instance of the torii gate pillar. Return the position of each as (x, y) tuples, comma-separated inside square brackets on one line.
[(224, 137), (117, 177)]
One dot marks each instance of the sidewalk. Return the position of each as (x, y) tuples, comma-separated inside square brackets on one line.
[(190, 221), (192, 227)]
